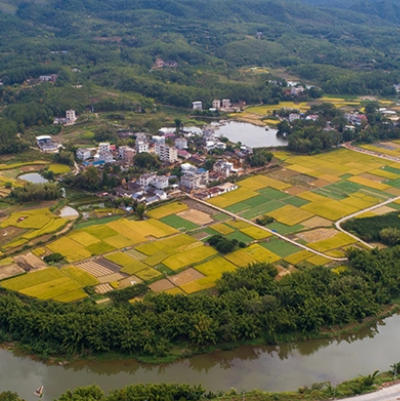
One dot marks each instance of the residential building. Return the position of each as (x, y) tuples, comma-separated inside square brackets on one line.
[(70, 115), (158, 139), (216, 104), (83, 154), (226, 103), (181, 143), (142, 146), (104, 147), (166, 153), (223, 167), (197, 105), (126, 153), (293, 117), (183, 154), (297, 91), (146, 179), (160, 182), (194, 178), (46, 144)]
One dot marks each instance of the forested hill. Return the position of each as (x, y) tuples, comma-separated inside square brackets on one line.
[(341, 46)]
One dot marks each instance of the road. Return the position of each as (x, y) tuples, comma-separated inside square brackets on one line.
[(269, 230), (349, 146), (368, 209), (391, 393)]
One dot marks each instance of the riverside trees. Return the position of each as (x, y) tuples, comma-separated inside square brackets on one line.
[(250, 303)]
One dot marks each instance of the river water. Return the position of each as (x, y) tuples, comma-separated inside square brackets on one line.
[(271, 368)]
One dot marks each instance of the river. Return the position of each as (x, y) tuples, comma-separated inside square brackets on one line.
[(272, 368)]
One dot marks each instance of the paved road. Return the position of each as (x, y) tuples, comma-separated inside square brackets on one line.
[(269, 230), (391, 393), (368, 209)]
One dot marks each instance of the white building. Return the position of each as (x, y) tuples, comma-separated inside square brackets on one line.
[(83, 154), (223, 167), (166, 153), (146, 179), (158, 139), (226, 103), (181, 143), (216, 104), (142, 146), (293, 117), (161, 182), (70, 115), (193, 177), (197, 105), (104, 147)]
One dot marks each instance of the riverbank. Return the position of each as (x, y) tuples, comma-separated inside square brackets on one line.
[(186, 350)]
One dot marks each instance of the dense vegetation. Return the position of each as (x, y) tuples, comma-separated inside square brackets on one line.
[(250, 304), (384, 228), (36, 192), (224, 245)]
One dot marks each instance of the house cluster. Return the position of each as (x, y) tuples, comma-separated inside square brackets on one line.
[(160, 63), (46, 144), (146, 193), (389, 114), (70, 118), (220, 105), (52, 78), (355, 118), (216, 191)]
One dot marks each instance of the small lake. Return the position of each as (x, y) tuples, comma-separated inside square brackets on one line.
[(249, 134), (34, 178), (271, 368)]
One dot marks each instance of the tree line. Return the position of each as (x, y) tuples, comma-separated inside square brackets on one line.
[(250, 303)]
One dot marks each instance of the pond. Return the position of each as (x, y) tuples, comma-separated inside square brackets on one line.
[(273, 368), (34, 178), (249, 134)]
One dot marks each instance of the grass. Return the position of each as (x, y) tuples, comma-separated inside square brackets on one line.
[(178, 222), (261, 254), (280, 247), (99, 248), (128, 263), (255, 232), (118, 241), (222, 229), (217, 265), (166, 210), (190, 257), (290, 215), (33, 279), (337, 241), (84, 238), (148, 274), (240, 258), (298, 257), (57, 168), (51, 289), (101, 232), (233, 197), (241, 237), (80, 276), (167, 245)]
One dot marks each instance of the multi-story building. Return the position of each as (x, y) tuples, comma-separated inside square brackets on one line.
[(158, 181), (70, 115), (226, 103), (193, 177), (83, 154), (126, 153), (216, 104), (223, 167), (166, 153), (146, 179), (142, 146), (104, 147), (181, 143), (197, 105)]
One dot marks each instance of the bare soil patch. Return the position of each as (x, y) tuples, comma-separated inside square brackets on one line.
[(318, 234), (282, 174), (371, 177), (283, 272), (320, 183), (10, 271), (383, 210), (95, 269), (129, 281), (161, 285), (295, 190), (29, 262), (185, 277), (393, 191), (27, 169), (199, 206), (9, 233), (316, 222), (200, 235), (108, 265), (110, 277), (196, 216), (103, 288)]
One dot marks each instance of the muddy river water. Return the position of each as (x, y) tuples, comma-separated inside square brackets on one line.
[(273, 368)]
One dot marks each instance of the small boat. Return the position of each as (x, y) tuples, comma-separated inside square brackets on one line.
[(39, 391)]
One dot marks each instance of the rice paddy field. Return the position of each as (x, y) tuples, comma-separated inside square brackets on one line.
[(168, 250)]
